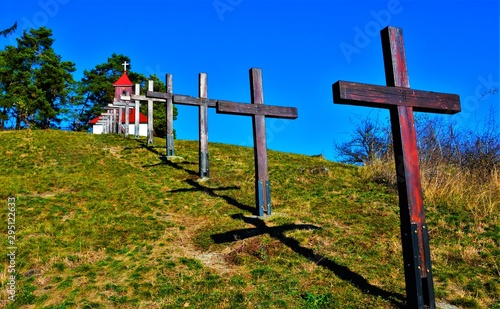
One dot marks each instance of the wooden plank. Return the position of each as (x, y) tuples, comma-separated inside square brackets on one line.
[(259, 141), (120, 119), (170, 151), (418, 275), (383, 96), (136, 111), (188, 100), (145, 98), (271, 111), (203, 125), (158, 95), (127, 119), (150, 115)]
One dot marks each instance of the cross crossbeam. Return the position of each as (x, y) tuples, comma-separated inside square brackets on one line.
[(382, 96), (269, 111), (401, 102)]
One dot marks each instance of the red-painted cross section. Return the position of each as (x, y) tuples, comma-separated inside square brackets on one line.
[(401, 102)]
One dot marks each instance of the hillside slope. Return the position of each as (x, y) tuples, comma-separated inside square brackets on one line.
[(106, 222)]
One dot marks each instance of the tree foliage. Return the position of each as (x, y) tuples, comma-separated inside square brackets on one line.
[(35, 84), (95, 90), (9, 30)]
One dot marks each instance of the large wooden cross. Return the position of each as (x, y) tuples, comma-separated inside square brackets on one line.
[(203, 103), (401, 102), (259, 112), (137, 97)]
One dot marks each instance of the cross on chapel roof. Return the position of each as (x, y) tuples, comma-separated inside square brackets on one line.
[(125, 64)]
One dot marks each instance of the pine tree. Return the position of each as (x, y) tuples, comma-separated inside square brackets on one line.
[(35, 84)]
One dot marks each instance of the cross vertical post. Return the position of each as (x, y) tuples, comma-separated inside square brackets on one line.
[(127, 119), (170, 116), (414, 231), (137, 105), (150, 115), (401, 102), (117, 124), (262, 184), (120, 119), (106, 125), (203, 126)]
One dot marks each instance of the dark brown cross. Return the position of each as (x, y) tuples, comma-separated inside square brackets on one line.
[(203, 103), (259, 112), (401, 102)]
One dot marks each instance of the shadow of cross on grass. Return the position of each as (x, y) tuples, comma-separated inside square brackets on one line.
[(278, 232), (177, 166), (151, 148), (164, 159), (212, 192)]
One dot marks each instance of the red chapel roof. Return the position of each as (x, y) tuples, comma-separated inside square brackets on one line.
[(123, 81)]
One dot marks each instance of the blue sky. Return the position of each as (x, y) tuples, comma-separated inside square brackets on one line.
[(303, 47)]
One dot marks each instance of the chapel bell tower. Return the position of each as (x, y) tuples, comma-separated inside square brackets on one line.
[(123, 86)]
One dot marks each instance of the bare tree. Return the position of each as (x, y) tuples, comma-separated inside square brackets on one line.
[(369, 141)]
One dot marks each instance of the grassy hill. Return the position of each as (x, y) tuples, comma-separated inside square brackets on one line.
[(106, 222)]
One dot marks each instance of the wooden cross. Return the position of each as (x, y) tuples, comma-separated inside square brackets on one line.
[(137, 97), (127, 116), (259, 112), (126, 99), (112, 118), (203, 103), (107, 120), (125, 64), (401, 102)]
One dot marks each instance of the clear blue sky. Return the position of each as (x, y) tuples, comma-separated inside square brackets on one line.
[(301, 46)]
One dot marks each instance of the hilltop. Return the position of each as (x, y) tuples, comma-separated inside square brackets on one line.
[(107, 222)]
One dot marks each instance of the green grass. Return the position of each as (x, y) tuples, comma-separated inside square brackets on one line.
[(106, 222)]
